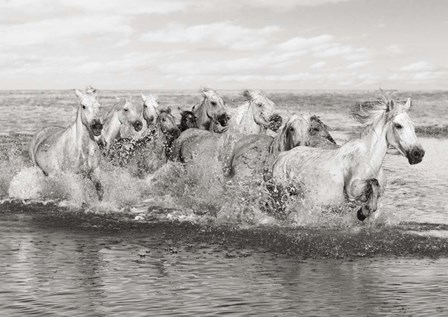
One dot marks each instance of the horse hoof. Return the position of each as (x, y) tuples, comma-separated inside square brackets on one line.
[(360, 215)]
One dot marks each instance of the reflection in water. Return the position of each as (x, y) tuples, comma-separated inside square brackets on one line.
[(49, 269)]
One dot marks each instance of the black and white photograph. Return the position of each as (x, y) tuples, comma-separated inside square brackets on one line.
[(223, 158)]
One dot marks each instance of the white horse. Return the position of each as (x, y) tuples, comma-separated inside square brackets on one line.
[(256, 152), (215, 150), (150, 108), (149, 153), (73, 148), (123, 116), (211, 110), (255, 116), (352, 173), (149, 115)]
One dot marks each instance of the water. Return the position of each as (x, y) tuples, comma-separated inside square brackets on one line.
[(165, 245)]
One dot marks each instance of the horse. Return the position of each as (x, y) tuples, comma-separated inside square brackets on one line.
[(150, 108), (187, 120), (149, 153), (74, 148), (255, 153), (211, 109), (122, 116), (254, 116), (353, 173)]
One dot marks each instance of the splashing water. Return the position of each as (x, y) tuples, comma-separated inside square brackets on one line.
[(174, 192)]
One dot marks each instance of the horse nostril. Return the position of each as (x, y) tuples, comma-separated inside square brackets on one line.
[(417, 153)]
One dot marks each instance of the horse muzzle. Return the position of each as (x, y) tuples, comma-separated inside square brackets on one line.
[(415, 155), (223, 119), (96, 127), (275, 122), (172, 134), (149, 120), (137, 125), (328, 137)]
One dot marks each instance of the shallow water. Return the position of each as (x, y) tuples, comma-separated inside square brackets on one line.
[(49, 268), (176, 244)]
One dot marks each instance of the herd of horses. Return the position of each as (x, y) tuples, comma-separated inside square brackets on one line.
[(301, 156)]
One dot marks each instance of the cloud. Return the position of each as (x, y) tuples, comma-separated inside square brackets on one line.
[(325, 45), (289, 4), (421, 66), (301, 43), (318, 65), (222, 34), (358, 64), (128, 6), (50, 31), (270, 62), (393, 50)]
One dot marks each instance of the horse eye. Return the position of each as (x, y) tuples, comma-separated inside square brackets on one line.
[(213, 103), (260, 105), (126, 110), (291, 129), (83, 106), (398, 126)]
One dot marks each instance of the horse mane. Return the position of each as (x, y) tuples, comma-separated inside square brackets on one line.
[(166, 110), (152, 97), (370, 112), (204, 90), (250, 94), (319, 121), (283, 140), (117, 106)]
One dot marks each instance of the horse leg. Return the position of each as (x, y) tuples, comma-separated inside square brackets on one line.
[(278, 193), (94, 176), (372, 193)]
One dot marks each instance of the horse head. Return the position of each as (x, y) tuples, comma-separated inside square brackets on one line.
[(263, 110), (214, 106), (131, 114), (295, 132), (187, 120), (150, 105), (318, 131), (89, 109), (401, 132), (167, 124)]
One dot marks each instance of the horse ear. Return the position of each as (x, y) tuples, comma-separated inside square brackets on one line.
[(179, 108), (156, 98), (390, 105), (78, 93), (143, 97), (168, 110), (91, 90), (205, 92), (247, 94), (408, 105)]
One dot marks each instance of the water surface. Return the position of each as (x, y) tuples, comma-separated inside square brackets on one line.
[(170, 245)]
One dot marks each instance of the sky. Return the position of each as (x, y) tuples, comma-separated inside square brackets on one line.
[(187, 44)]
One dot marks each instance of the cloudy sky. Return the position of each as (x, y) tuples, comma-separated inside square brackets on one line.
[(267, 44)]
